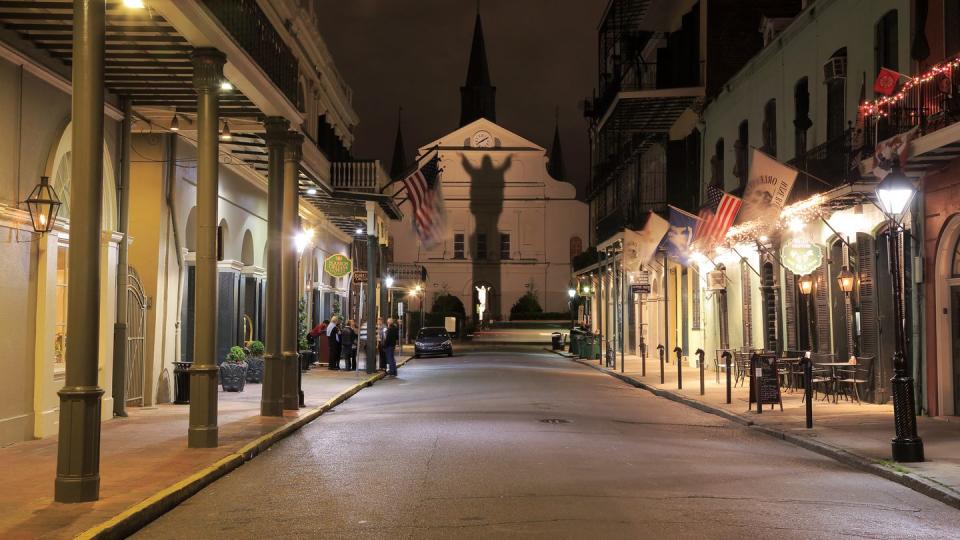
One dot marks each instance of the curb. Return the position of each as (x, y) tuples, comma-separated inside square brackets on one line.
[(139, 515), (912, 480)]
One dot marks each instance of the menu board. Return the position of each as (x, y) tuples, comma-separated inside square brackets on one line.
[(764, 380)]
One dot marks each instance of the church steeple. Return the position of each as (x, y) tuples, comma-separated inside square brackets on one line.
[(477, 95), (398, 165), (555, 165)]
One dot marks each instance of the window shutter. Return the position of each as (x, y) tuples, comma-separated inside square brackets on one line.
[(867, 262), (822, 306), (746, 293), (790, 309)]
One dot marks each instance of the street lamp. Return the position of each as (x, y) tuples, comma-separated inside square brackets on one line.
[(806, 287), (894, 193), (846, 279), (43, 205), (571, 293)]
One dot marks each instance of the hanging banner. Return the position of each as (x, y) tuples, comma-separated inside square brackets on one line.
[(768, 187), (801, 257), (680, 234), (337, 265), (716, 281), (639, 246)]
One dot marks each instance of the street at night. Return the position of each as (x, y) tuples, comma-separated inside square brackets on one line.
[(520, 444)]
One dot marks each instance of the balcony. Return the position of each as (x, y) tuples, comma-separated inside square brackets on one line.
[(361, 176), (824, 166), (252, 30)]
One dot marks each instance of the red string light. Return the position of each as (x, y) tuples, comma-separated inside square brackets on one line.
[(873, 108)]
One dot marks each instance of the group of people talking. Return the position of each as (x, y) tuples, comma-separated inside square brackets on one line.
[(343, 342)]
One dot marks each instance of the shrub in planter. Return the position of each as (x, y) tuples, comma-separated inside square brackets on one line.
[(255, 362), (233, 370)]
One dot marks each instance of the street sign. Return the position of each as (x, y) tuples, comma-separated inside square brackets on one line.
[(640, 288), (400, 309), (337, 265), (643, 278), (360, 276)]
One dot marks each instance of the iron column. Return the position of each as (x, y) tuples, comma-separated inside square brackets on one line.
[(271, 401), (78, 446), (371, 305), (120, 324), (290, 306), (207, 77)]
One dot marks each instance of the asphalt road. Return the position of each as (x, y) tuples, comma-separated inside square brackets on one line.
[(490, 445)]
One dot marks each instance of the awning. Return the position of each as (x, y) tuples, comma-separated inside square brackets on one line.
[(649, 110)]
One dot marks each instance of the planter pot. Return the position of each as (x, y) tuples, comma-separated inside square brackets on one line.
[(255, 369), (307, 357), (233, 376)]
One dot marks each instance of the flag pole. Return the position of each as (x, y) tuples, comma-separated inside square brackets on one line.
[(817, 178), (414, 167), (744, 259)]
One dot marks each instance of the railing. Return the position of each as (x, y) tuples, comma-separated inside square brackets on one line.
[(639, 75), (330, 143), (252, 30), (929, 105), (364, 176), (405, 271), (827, 165)]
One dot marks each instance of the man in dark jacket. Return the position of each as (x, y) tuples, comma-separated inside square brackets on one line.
[(333, 337), (389, 344), (348, 345)]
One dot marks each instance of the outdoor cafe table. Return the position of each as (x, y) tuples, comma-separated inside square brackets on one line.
[(791, 362), (833, 374)]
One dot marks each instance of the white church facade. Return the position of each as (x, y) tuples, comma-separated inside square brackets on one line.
[(512, 227)]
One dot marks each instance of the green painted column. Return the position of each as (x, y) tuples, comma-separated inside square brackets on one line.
[(78, 445), (271, 401), (123, 213), (291, 364), (207, 77), (371, 297)]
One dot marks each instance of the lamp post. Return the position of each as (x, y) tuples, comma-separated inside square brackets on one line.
[(846, 280), (806, 287), (43, 205), (571, 293), (894, 193)]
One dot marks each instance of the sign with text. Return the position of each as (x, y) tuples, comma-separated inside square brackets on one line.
[(640, 288), (716, 280), (801, 257), (764, 381), (337, 265), (360, 276), (768, 186)]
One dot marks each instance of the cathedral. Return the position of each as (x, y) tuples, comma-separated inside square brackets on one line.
[(513, 221)]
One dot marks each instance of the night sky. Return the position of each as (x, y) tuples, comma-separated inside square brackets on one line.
[(413, 53)]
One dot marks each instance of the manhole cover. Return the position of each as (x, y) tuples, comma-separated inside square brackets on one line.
[(554, 421)]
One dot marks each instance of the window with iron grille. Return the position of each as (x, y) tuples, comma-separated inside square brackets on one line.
[(504, 246), (458, 246)]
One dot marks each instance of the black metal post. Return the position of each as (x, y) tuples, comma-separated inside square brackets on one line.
[(643, 360), (661, 349), (755, 377), (907, 447), (808, 388), (678, 351), (726, 361), (700, 354)]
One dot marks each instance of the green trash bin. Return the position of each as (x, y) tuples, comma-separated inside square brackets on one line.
[(595, 349), (575, 337), (586, 346)]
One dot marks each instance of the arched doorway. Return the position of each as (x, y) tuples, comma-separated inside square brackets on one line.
[(947, 280)]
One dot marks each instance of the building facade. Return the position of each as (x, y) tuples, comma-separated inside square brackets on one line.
[(512, 227)]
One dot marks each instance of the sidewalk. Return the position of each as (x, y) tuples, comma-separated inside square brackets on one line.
[(145, 456), (856, 434)]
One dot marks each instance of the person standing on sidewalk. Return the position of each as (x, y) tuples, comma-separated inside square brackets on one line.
[(381, 336), (333, 339), (348, 345), (389, 344)]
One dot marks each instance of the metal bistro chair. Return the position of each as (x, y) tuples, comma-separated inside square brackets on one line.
[(857, 374), (718, 364), (742, 367), (823, 380)]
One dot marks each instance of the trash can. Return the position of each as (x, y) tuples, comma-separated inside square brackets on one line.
[(586, 346), (556, 339), (576, 335), (181, 382)]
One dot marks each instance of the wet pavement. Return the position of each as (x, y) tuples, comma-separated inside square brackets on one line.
[(525, 444)]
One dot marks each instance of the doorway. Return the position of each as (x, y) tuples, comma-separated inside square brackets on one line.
[(955, 342)]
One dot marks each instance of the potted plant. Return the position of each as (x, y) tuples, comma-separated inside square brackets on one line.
[(233, 370), (255, 362)]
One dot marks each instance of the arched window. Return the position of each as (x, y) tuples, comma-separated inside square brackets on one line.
[(716, 164), (246, 250), (741, 148), (955, 267), (836, 81), (190, 231), (885, 42), (61, 169), (770, 127), (221, 236)]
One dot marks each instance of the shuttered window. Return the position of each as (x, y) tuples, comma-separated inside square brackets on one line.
[(867, 263), (747, 296), (821, 302), (790, 309)]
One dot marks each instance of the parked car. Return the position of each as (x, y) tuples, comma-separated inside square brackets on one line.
[(432, 340)]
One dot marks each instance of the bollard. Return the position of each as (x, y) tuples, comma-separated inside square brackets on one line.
[(678, 351), (754, 367), (661, 349), (700, 354), (726, 362), (808, 388), (643, 360)]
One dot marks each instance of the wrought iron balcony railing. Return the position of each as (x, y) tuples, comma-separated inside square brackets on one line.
[(827, 165), (930, 104), (252, 30)]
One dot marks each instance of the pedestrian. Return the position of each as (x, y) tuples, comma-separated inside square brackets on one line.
[(333, 340), (381, 336), (320, 347), (348, 345), (389, 344)]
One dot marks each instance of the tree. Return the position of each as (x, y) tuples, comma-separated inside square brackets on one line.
[(447, 303), (527, 303)]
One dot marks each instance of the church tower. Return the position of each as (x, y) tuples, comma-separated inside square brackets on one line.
[(477, 95), (555, 166), (398, 165)]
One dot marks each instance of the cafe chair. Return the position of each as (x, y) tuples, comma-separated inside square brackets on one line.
[(742, 360), (718, 364), (857, 375)]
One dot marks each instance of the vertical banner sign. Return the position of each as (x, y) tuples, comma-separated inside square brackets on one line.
[(768, 187), (640, 246)]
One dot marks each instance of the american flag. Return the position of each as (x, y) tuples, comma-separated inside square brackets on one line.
[(423, 191), (716, 217)]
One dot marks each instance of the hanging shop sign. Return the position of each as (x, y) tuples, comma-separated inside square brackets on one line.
[(716, 280), (640, 288), (337, 265), (360, 276), (801, 257), (643, 278)]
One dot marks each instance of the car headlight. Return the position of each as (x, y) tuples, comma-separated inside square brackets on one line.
[(447, 343), (418, 343)]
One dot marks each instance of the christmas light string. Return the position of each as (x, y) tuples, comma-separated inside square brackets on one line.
[(873, 108)]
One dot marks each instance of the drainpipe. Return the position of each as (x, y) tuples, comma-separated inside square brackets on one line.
[(123, 214)]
